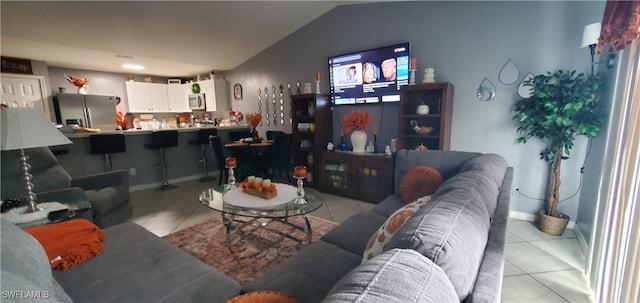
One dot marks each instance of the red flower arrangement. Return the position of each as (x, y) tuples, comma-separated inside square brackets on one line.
[(357, 119), (254, 119)]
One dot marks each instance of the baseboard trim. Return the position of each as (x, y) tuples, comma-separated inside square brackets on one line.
[(145, 186), (533, 218)]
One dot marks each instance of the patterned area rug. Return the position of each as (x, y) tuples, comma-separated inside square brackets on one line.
[(255, 254)]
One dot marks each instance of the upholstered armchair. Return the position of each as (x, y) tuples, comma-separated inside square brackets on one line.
[(108, 193)]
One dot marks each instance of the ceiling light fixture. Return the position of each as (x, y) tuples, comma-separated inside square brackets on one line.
[(133, 66)]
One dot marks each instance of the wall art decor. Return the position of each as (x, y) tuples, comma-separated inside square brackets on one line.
[(509, 73), (237, 91)]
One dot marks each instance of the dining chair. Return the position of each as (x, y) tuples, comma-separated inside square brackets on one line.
[(278, 162), (218, 153), (272, 133)]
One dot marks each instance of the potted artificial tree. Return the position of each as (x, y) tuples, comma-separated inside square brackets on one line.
[(561, 107)]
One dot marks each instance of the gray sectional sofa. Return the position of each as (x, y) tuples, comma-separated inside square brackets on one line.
[(451, 249)]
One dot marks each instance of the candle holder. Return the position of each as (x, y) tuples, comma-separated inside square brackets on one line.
[(300, 172), (230, 164)]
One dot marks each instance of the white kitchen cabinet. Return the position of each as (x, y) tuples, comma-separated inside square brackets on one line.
[(146, 97), (215, 91), (178, 97)]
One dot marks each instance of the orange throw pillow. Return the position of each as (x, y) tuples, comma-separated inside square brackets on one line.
[(418, 182), (263, 296)]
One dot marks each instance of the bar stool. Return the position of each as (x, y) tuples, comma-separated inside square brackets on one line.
[(202, 139), (107, 145), (161, 140)]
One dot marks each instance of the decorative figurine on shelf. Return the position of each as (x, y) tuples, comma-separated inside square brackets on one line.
[(330, 146), (300, 172), (81, 84), (318, 83), (429, 75), (413, 67), (387, 150)]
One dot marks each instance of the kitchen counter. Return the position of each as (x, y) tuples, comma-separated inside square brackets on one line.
[(148, 131), (141, 162)]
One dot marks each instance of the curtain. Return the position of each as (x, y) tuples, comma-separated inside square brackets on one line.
[(620, 25)]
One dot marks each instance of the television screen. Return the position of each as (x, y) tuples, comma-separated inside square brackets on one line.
[(372, 76)]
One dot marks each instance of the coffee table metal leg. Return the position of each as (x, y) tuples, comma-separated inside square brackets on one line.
[(309, 233)]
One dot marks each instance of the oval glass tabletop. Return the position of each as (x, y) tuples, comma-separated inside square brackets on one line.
[(214, 198)]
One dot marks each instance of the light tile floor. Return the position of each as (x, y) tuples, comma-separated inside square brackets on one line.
[(538, 267)]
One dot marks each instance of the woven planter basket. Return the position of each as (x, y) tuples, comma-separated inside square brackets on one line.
[(552, 225)]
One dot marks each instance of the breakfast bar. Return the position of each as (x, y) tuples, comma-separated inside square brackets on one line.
[(141, 162)]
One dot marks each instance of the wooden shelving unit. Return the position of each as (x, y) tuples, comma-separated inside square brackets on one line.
[(439, 98), (311, 130)]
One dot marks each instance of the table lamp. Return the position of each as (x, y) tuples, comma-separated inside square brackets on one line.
[(24, 128)]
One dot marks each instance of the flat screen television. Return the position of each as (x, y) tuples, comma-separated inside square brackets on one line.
[(369, 77)]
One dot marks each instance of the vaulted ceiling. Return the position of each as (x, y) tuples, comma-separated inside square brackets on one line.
[(169, 38)]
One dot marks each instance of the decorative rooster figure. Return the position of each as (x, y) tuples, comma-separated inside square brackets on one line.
[(80, 83)]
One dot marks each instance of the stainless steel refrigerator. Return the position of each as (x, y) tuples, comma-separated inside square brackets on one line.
[(93, 111)]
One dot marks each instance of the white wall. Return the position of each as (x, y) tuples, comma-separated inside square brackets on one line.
[(464, 43)]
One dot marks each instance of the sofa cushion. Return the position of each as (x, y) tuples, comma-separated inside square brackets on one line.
[(25, 266), (397, 275), (138, 266), (381, 237), (353, 234), (389, 205), (493, 165), (308, 275), (452, 231), (418, 182)]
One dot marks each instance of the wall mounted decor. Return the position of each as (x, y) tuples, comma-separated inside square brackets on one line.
[(237, 91), (486, 90), (273, 103), (259, 100), (281, 104), (266, 106), (525, 91), (509, 73)]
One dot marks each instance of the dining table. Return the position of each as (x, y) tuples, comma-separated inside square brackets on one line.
[(248, 155)]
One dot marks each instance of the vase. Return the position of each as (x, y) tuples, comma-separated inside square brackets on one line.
[(359, 141), (82, 90), (255, 136)]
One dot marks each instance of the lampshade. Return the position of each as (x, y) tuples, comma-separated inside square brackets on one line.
[(23, 128), (590, 34)]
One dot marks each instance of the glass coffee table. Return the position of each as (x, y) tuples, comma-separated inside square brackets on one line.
[(243, 213)]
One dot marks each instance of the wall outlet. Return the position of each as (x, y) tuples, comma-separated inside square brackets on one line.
[(132, 171)]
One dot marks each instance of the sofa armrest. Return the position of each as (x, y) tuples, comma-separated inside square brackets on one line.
[(488, 286), (101, 180)]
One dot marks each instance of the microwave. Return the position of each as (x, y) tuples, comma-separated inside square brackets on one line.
[(197, 101)]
